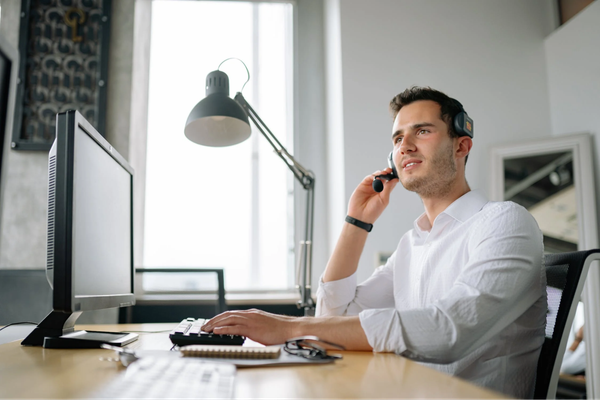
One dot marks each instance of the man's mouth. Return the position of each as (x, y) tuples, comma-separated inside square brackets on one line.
[(410, 164)]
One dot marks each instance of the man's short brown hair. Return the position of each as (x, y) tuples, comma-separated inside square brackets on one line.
[(449, 107)]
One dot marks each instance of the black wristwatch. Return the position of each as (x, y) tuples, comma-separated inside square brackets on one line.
[(360, 224)]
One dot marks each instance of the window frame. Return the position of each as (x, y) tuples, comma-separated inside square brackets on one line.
[(256, 296)]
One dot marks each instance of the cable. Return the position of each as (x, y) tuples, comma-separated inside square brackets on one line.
[(19, 323), (248, 72), (147, 331)]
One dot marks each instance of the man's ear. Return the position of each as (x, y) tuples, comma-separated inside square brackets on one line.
[(464, 146)]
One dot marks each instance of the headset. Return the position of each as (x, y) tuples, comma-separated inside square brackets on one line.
[(463, 126)]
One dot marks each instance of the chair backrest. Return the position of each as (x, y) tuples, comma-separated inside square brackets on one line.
[(220, 305), (565, 274)]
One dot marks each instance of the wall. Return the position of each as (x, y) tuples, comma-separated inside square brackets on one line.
[(334, 142), (487, 54), (573, 62), (25, 173), (309, 119), (25, 180)]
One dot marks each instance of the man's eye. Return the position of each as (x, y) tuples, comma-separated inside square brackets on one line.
[(398, 140), (422, 131)]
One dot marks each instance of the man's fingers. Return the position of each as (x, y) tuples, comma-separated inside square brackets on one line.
[(230, 330), (225, 319), (215, 321)]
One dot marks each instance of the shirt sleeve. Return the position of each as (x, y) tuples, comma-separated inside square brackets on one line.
[(345, 297), (502, 279), (574, 361)]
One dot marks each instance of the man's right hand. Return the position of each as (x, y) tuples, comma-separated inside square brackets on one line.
[(366, 204)]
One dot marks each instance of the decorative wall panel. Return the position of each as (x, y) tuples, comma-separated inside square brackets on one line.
[(64, 63)]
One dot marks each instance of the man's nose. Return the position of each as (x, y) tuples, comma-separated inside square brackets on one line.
[(407, 145)]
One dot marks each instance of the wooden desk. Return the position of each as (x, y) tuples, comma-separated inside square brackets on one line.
[(35, 372)]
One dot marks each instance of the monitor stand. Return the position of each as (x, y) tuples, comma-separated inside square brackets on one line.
[(57, 331)]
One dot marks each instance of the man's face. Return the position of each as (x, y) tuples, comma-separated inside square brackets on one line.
[(423, 150)]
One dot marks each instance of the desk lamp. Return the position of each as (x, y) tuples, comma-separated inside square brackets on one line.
[(217, 121)]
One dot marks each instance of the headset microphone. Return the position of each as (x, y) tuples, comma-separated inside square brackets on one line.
[(377, 184)]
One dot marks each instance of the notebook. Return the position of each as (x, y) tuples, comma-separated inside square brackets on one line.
[(226, 351), (244, 357)]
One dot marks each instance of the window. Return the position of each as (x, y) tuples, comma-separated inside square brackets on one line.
[(229, 207)]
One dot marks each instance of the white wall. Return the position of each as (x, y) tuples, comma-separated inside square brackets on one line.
[(309, 118), (573, 62), (487, 54)]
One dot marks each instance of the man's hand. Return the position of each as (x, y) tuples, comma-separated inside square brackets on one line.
[(577, 340), (365, 203), (269, 329), (260, 326)]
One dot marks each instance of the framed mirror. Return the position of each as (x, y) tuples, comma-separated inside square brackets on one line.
[(554, 179)]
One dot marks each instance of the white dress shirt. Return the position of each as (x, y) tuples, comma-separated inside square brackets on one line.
[(466, 296), (574, 361)]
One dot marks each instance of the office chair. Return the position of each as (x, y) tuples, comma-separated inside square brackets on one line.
[(565, 274)]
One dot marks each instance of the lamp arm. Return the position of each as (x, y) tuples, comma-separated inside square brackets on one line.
[(304, 176), (306, 300), (307, 180)]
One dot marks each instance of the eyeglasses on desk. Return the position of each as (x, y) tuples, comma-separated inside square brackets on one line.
[(311, 347)]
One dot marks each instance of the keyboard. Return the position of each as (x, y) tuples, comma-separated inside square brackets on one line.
[(172, 378), (188, 332)]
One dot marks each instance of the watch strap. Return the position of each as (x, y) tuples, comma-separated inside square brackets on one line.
[(359, 223)]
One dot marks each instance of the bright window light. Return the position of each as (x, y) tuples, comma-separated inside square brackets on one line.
[(228, 207)]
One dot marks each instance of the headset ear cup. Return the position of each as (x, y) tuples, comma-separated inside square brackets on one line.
[(463, 124)]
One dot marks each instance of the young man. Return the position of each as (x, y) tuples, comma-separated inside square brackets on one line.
[(464, 292)]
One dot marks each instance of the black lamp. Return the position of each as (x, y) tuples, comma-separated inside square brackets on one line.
[(218, 121)]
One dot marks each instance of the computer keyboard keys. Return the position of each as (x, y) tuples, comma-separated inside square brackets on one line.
[(189, 331), (169, 378)]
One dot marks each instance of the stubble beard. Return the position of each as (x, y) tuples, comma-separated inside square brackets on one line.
[(439, 182)]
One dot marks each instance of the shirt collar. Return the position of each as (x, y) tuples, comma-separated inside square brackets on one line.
[(461, 210), (466, 206)]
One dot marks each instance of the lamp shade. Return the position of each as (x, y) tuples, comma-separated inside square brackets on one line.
[(217, 120)]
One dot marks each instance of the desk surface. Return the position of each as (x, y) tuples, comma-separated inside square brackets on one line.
[(34, 372)]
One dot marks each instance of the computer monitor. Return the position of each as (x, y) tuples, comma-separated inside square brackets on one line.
[(90, 235), (9, 70)]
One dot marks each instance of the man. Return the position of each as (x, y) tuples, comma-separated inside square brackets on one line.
[(464, 292)]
